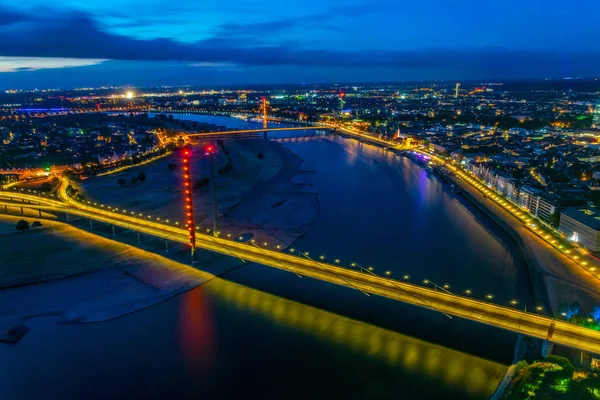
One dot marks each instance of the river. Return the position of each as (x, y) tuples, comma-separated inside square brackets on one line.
[(240, 338)]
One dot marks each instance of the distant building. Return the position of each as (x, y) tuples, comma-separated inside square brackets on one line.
[(596, 119), (581, 226)]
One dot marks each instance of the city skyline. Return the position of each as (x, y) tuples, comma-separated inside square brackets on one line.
[(74, 43)]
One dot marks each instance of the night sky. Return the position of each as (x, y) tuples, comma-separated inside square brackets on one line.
[(70, 43)]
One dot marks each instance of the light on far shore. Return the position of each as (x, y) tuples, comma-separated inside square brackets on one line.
[(129, 94)]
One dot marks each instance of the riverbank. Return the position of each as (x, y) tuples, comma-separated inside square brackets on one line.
[(556, 278), (255, 193), (79, 277)]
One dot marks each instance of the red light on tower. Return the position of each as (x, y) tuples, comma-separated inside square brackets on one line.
[(188, 202)]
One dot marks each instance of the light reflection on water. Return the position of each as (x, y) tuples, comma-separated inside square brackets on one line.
[(447, 367)]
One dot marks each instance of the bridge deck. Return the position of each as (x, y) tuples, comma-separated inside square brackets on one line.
[(508, 318)]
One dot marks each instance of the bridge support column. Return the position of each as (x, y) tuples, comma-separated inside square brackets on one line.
[(139, 238), (22, 211), (66, 217), (547, 348), (166, 246), (40, 212), (113, 230), (91, 225)]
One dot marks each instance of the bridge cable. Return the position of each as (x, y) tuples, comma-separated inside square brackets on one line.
[(274, 259), (334, 274), (405, 291), (225, 248)]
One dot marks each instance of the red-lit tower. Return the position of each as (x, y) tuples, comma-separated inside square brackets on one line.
[(187, 195)]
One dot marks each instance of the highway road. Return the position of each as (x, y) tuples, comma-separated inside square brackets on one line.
[(534, 325)]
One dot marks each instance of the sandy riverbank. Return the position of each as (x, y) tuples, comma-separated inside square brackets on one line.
[(256, 196), (80, 277)]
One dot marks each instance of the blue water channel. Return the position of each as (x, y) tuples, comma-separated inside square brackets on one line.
[(240, 338)]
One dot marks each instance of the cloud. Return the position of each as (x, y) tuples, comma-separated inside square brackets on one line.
[(19, 64), (75, 35), (9, 17)]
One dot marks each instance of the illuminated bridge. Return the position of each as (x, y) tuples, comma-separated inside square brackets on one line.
[(257, 131), (450, 304)]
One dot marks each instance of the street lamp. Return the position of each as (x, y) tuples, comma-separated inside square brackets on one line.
[(210, 151)]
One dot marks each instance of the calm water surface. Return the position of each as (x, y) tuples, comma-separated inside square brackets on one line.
[(230, 339)]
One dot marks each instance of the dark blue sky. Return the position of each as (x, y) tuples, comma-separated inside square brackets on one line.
[(70, 43)]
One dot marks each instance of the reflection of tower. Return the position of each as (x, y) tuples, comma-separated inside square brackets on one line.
[(264, 110), (456, 90), (342, 95)]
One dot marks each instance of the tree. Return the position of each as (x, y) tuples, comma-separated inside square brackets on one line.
[(22, 225), (121, 182), (36, 224), (141, 176), (134, 180)]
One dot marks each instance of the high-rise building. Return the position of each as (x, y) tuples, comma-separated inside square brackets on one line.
[(596, 119), (456, 90), (342, 102)]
